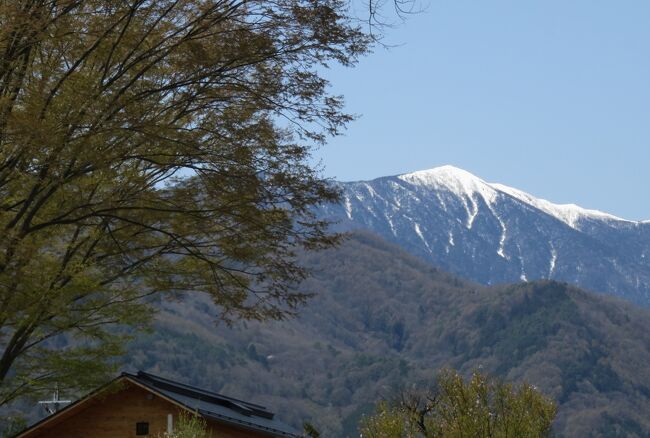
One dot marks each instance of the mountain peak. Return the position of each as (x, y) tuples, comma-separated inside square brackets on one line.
[(492, 233), (453, 179), (441, 172)]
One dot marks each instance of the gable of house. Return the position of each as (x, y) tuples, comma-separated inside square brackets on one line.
[(147, 405)]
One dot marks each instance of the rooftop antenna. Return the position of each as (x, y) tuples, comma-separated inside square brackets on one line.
[(52, 406)]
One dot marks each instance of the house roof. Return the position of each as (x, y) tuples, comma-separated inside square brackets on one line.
[(210, 405), (215, 406)]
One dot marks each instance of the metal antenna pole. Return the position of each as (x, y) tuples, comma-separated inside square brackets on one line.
[(52, 406)]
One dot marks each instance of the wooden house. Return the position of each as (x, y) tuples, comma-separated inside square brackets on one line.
[(135, 405)]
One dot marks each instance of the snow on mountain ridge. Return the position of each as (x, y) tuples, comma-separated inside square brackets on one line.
[(570, 214), (465, 185), (453, 179)]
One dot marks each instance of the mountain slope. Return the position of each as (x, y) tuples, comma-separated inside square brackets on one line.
[(382, 319), (492, 233)]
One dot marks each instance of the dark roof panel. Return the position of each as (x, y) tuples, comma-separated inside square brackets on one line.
[(216, 406)]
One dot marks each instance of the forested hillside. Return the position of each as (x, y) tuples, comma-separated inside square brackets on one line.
[(381, 320)]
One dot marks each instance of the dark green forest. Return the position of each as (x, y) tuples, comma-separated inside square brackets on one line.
[(381, 321)]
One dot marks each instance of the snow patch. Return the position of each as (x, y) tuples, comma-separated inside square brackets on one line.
[(371, 191), (553, 261), (390, 223), (441, 201), (416, 226), (361, 198), (502, 238), (502, 243), (522, 276), (348, 207), (472, 215)]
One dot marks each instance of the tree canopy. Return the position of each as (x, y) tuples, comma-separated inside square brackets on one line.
[(481, 408), (155, 147)]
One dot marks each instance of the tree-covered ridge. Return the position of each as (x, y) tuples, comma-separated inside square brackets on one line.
[(382, 320)]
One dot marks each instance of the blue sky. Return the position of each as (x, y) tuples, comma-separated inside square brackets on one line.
[(551, 97)]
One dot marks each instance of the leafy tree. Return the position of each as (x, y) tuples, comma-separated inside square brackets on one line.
[(482, 407), (149, 148)]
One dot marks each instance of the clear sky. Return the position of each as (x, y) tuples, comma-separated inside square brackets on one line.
[(548, 96)]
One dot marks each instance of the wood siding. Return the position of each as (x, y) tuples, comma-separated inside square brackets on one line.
[(114, 415)]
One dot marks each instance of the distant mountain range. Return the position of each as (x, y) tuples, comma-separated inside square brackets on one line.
[(492, 233), (382, 319)]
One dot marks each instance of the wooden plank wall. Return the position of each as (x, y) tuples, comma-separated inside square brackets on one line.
[(115, 416)]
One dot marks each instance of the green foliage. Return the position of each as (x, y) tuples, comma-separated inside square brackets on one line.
[(388, 423), (481, 407), (189, 426), (155, 148), (310, 430)]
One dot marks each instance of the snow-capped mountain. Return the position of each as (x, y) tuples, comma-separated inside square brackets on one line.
[(492, 233)]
